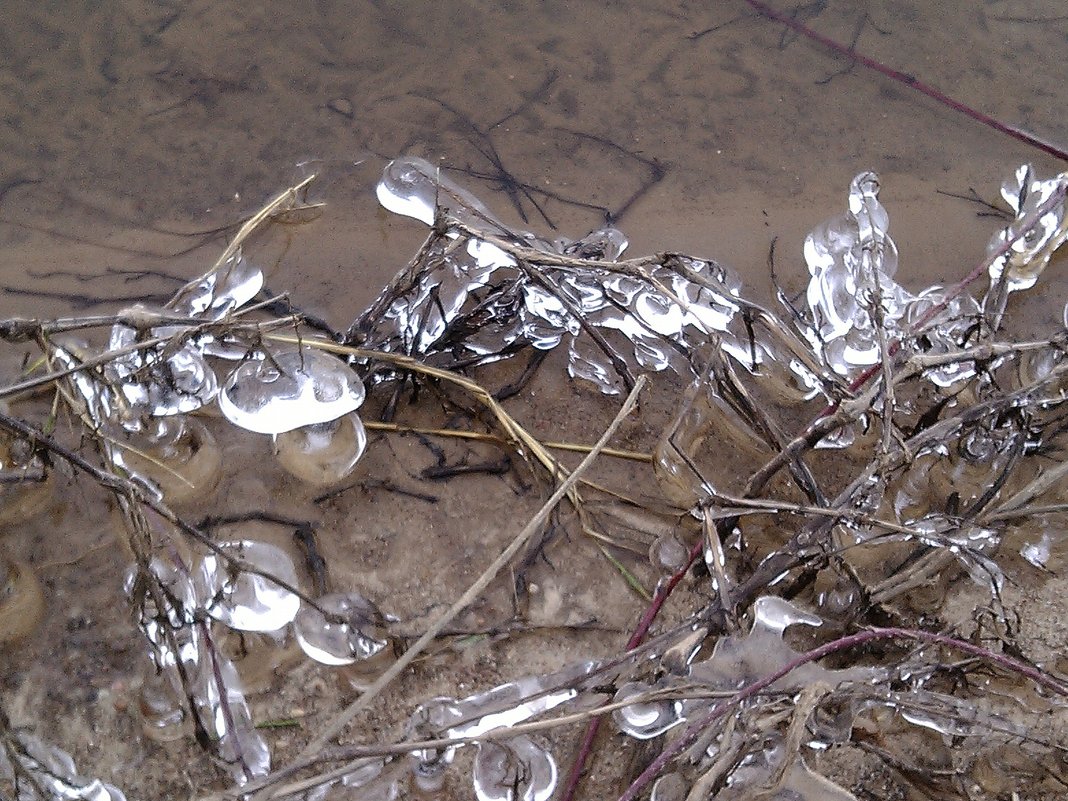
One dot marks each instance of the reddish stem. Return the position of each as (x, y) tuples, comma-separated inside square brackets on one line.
[(594, 726), (851, 641), (909, 80)]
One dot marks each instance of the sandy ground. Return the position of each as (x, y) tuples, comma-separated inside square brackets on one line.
[(133, 130)]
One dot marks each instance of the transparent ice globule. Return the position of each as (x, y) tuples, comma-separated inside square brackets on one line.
[(644, 720), (159, 380), (852, 260), (355, 631), (48, 773), (322, 453), (414, 187), (242, 599), (1029, 254), (220, 291), (289, 389), (176, 453), (516, 769)]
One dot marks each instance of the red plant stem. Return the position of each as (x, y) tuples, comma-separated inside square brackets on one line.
[(910, 81), (574, 776), (851, 641)]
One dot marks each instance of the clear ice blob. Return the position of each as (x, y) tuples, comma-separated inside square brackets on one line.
[(852, 260), (160, 381), (430, 721), (163, 714), (414, 187), (219, 292), (516, 769), (358, 633), (670, 787), (177, 454), (741, 659), (644, 720), (52, 773), (244, 600), (223, 711), (21, 601), (1030, 253), (323, 453), (290, 389)]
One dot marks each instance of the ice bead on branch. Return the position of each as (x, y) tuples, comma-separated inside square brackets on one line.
[(852, 261), (1030, 253)]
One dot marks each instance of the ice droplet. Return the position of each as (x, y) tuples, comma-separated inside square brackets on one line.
[(178, 454), (323, 453), (517, 769), (53, 773), (292, 388), (243, 600), (644, 720), (431, 720), (361, 635), (1029, 254), (221, 291), (158, 381)]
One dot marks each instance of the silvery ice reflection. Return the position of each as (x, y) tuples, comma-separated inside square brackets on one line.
[(479, 292)]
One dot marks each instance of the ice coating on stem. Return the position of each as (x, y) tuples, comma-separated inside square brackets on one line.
[(852, 261), (1030, 253), (414, 187), (290, 389), (221, 291), (644, 720), (741, 659), (48, 773), (160, 381), (323, 453)]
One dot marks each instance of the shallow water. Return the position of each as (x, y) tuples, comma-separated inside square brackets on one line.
[(132, 131)]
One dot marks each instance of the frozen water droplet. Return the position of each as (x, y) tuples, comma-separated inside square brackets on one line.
[(1037, 553), (740, 659), (1029, 254), (294, 388), (644, 720), (359, 634), (670, 787), (213, 296), (431, 720), (323, 453), (415, 188), (248, 601), (158, 381), (517, 769), (177, 454), (163, 713)]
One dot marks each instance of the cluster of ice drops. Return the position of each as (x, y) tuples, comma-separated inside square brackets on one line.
[(613, 322)]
